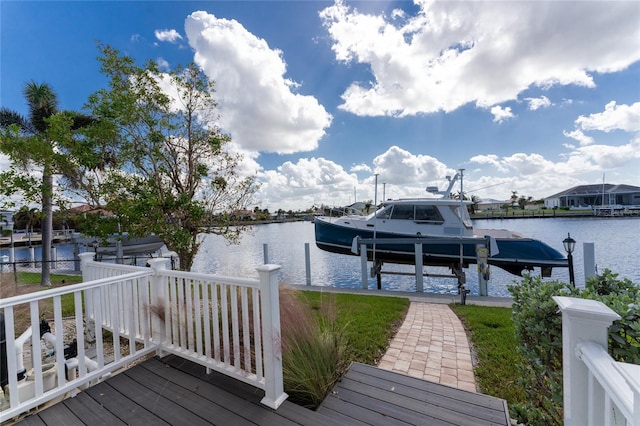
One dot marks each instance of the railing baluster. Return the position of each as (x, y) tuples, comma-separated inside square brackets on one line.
[(77, 299), (188, 290), (246, 330), (215, 317), (115, 302), (197, 293), (96, 293), (36, 348), (257, 333), (224, 316), (59, 332), (206, 319), (235, 325)]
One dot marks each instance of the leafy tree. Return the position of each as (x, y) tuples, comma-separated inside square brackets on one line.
[(44, 142), (172, 171)]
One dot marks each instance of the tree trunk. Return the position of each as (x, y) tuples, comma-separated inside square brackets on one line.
[(47, 225)]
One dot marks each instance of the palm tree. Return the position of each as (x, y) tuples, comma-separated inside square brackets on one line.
[(33, 145), (43, 103)]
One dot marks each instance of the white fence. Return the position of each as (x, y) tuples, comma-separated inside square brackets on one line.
[(597, 389), (231, 325)]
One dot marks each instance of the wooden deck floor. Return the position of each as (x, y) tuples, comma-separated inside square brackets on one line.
[(173, 391)]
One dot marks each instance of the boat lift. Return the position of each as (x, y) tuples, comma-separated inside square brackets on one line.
[(485, 247)]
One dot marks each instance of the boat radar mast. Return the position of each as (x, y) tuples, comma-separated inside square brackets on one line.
[(447, 192)]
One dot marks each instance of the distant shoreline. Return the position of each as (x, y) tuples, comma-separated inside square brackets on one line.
[(552, 214)]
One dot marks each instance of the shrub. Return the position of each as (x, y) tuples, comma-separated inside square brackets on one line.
[(624, 298), (313, 350), (538, 325)]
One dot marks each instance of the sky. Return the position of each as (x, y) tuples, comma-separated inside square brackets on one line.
[(320, 97)]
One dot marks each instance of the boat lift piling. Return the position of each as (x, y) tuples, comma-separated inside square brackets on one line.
[(484, 247)]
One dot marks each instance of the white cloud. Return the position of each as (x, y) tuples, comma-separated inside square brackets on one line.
[(578, 135), (310, 181), (356, 168), (501, 114), (163, 64), (411, 172), (259, 106), (172, 36), (319, 181), (537, 103), (614, 117), (449, 54), (492, 160)]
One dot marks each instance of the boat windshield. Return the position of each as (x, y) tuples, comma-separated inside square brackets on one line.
[(466, 220), (384, 213)]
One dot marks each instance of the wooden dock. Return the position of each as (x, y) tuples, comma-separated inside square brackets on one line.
[(173, 391)]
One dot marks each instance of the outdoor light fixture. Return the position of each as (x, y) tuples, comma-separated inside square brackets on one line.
[(570, 244)]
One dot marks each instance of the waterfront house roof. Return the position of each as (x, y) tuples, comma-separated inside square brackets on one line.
[(596, 189)]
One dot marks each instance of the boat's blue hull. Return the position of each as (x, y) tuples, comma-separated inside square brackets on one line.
[(515, 254)]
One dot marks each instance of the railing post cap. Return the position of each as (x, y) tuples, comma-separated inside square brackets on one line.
[(158, 262), (269, 267), (585, 308)]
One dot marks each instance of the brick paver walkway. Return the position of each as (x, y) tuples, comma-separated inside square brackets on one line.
[(432, 345)]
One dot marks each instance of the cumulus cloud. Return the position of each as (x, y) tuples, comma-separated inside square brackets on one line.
[(172, 36), (259, 105), (614, 117), (625, 118), (501, 114), (537, 103), (578, 135), (356, 168), (400, 167), (307, 182), (492, 160), (449, 54)]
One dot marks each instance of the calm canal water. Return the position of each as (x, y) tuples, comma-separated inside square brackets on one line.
[(617, 247)]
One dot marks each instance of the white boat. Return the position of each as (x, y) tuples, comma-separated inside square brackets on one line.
[(443, 220)]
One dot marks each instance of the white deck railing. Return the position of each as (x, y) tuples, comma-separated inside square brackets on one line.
[(231, 325), (597, 389)]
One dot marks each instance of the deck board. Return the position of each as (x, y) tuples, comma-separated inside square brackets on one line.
[(411, 400), (173, 391)]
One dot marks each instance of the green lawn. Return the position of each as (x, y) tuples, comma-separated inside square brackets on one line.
[(34, 278), (491, 331)]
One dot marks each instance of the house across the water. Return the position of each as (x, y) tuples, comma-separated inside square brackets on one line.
[(603, 198)]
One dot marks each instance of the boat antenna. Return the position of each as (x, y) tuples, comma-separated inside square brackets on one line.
[(447, 192)]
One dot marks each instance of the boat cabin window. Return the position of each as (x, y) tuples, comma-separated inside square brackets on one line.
[(464, 216), (402, 211), (428, 214)]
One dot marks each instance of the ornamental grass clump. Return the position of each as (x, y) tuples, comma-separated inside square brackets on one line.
[(314, 355)]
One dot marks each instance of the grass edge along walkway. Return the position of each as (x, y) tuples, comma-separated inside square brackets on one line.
[(491, 334)]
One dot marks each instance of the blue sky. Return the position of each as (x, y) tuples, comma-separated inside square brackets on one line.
[(533, 97)]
